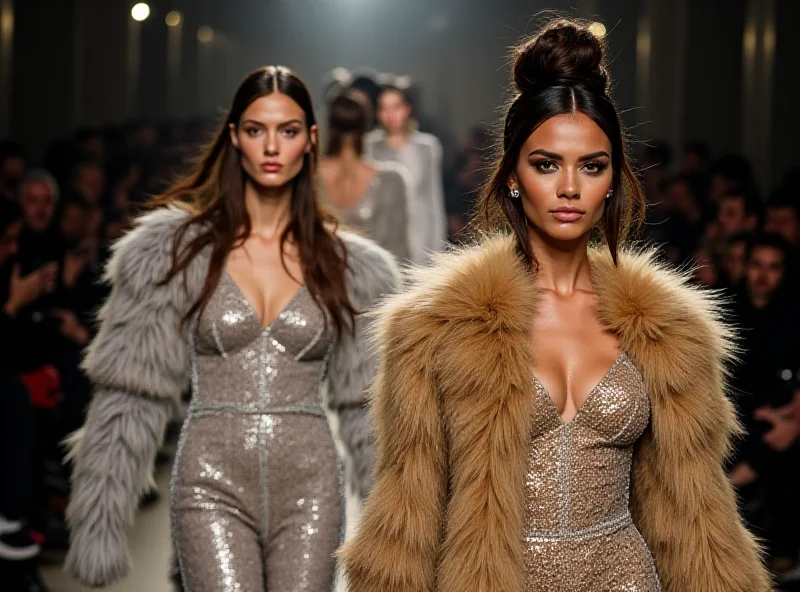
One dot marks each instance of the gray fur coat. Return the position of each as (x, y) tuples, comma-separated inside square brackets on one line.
[(139, 364)]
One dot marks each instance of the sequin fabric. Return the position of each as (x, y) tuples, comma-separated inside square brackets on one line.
[(256, 492), (579, 536)]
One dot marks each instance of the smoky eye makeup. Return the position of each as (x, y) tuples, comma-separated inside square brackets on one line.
[(544, 165), (594, 167)]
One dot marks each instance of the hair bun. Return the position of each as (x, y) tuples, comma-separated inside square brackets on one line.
[(563, 54)]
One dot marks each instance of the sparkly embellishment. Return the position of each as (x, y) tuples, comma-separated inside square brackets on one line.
[(293, 318), (233, 317), (578, 530), (365, 212), (256, 452)]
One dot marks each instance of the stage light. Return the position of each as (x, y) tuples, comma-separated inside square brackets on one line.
[(173, 19), (140, 11), (597, 29), (205, 34)]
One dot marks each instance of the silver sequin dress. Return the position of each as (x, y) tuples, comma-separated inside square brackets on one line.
[(257, 493), (579, 535)]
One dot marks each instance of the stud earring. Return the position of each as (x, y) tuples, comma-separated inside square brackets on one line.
[(609, 194), (514, 193)]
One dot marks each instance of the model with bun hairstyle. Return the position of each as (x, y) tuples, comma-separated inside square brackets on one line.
[(420, 154), (550, 411), (371, 197), (237, 284)]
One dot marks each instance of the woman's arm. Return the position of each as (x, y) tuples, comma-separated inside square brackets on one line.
[(372, 274), (397, 543), (683, 502), (139, 365)]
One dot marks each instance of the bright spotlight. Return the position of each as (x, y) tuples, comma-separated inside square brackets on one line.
[(173, 19), (597, 29), (205, 34), (140, 11)]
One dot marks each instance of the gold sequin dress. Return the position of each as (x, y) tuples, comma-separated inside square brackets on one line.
[(579, 535), (257, 492)]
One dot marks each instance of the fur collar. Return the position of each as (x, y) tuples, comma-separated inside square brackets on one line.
[(452, 408), (144, 256)]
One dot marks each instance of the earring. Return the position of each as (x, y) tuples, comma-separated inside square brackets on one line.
[(514, 193), (609, 194)]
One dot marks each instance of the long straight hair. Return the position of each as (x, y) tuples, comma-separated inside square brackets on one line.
[(214, 196)]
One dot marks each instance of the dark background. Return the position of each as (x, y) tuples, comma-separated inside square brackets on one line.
[(723, 71)]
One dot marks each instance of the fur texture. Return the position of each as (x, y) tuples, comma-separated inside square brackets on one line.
[(113, 469), (452, 404), (140, 365)]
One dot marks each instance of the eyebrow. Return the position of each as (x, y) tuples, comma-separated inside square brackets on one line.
[(555, 156), (283, 124)]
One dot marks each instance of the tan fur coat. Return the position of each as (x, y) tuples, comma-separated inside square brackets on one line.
[(452, 406)]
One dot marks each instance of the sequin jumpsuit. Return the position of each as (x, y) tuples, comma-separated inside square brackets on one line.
[(579, 535), (256, 493)]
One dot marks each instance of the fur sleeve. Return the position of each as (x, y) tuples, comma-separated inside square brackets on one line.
[(682, 500), (113, 469), (373, 274), (140, 347), (396, 546), (139, 366)]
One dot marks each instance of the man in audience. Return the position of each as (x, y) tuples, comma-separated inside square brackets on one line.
[(783, 217), (765, 381), (739, 211), (734, 260)]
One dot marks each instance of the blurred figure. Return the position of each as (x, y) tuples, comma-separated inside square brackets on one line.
[(696, 156), (38, 197), (468, 175), (20, 466), (89, 181), (783, 217), (74, 221), (365, 80), (765, 379), (684, 218), (739, 211), (421, 155), (705, 268), (734, 260), (12, 168), (125, 177), (370, 197)]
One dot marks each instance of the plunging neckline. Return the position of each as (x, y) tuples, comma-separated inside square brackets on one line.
[(589, 397), (252, 308)]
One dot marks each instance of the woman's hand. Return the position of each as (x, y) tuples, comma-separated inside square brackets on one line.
[(74, 264), (71, 327), (26, 290), (784, 432)]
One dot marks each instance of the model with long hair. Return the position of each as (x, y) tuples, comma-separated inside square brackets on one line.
[(420, 154), (237, 285), (371, 197), (550, 410)]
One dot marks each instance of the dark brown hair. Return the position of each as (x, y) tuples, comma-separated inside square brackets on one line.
[(347, 116), (560, 70), (214, 195)]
